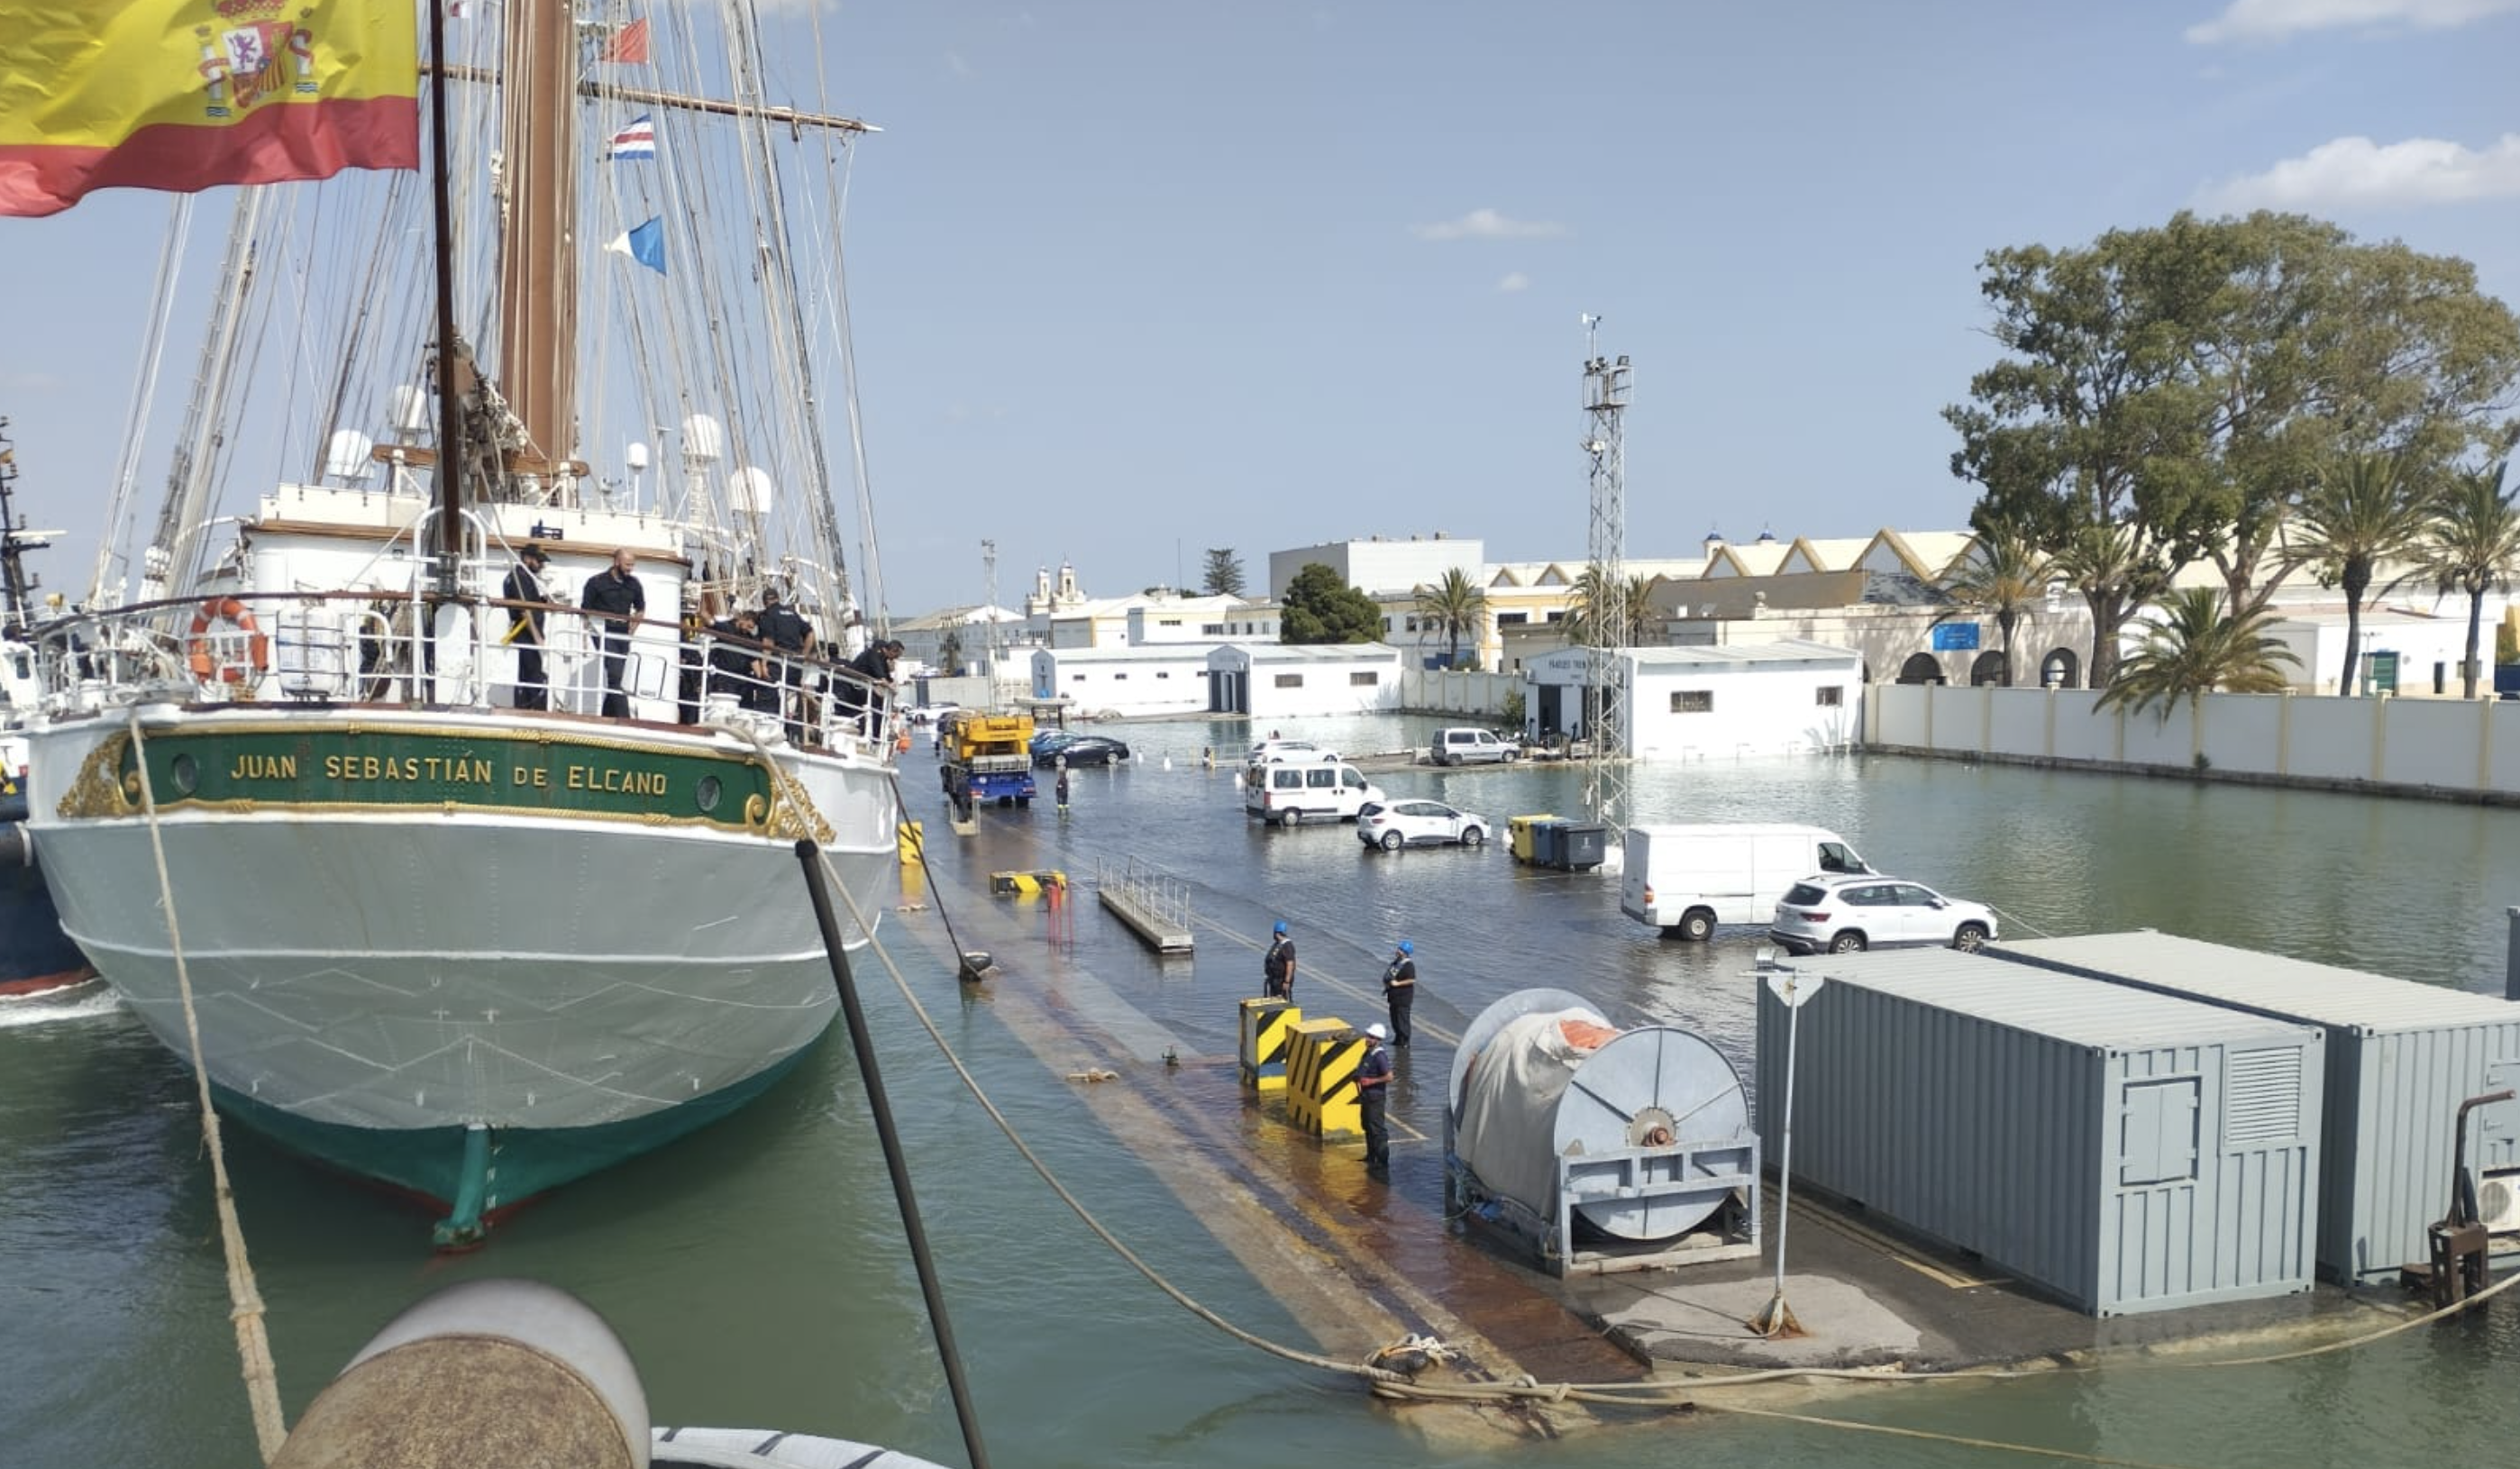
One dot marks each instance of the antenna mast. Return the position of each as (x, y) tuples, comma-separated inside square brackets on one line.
[(989, 558), (1610, 629)]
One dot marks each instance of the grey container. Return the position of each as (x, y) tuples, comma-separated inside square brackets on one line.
[(2123, 1150), (2401, 1058)]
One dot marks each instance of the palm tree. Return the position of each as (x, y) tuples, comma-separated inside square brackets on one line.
[(1453, 606), (2005, 576), (2191, 648), (2473, 545), (2115, 573), (949, 652), (2367, 508), (1618, 621)]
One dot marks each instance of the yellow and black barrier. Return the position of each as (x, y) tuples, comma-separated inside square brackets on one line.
[(1026, 884), (1266, 1025), (909, 840), (1322, 1057)]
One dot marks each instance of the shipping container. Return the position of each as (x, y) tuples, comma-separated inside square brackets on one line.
[(2401, 1059), (2122, 1150)]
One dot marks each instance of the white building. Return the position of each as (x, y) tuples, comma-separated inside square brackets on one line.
[(2428, 649), (1768, 699), (1168, 618), (1290, 681), (1120, 682), (1376, 565)]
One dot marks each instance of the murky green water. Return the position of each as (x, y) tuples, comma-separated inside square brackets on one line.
[(756, 1271)]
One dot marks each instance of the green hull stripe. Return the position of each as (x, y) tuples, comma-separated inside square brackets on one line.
[(430, 1160), (532, 772)]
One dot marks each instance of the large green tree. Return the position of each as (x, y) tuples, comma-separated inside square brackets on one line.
[(1453, 606), (1222, 574), (2185, 383), (1319, 607), (2190, 648), (2310, 344), (2472, 545), (2366, 509), (2081, 427), (2004, 578)]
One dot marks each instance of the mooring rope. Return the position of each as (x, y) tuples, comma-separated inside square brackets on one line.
[(1650, 1395), (244, 1299)]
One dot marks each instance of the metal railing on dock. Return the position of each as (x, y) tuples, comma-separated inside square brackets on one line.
[(1153, 902)]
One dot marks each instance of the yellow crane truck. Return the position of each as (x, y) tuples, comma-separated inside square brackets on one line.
[(985, 757)]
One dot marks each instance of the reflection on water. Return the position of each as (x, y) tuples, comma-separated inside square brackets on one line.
[(756, 1270)]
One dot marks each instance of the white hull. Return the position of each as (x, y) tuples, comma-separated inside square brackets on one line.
[(418, 968)]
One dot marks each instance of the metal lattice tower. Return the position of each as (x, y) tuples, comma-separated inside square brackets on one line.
[(1611, 628), (989, 558)]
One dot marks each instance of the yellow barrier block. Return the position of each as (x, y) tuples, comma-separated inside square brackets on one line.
[(1026, 884), (909, 840), (1266, 1025), (1322, 1057)]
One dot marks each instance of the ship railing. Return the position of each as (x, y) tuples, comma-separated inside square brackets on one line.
[(392, 646)]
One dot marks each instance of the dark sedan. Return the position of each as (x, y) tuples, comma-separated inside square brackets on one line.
[(1083, 749)]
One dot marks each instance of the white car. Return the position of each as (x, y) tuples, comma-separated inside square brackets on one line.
[(1393, 825), (1468, 746), (1288, 751), (1844, 913)]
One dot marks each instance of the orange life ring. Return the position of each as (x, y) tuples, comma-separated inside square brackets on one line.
[(228, 613)]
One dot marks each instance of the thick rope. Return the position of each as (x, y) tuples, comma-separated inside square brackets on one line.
[(245, 1300), (1662, 1395)]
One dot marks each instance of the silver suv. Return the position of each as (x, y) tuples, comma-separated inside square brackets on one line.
[(1466, 746)]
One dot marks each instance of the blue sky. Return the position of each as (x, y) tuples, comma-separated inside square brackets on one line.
[(1132, 280)]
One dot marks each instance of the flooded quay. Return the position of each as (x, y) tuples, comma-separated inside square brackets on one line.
[(756, 1270)]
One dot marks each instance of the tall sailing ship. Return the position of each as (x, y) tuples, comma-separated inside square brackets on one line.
[(441, 924)]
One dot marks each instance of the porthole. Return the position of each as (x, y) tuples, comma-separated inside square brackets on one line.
[(708, 792), (188, 775)]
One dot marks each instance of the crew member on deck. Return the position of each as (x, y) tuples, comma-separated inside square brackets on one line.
[(526, 627), (793, 638), (614, 601)]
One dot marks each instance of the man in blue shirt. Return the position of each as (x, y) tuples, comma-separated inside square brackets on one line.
[(1372, 1083)]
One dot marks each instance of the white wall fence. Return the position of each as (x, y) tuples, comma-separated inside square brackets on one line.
[(2452, 749), (1447, 691)]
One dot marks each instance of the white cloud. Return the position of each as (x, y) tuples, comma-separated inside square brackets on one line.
[(955, 64), (1487, 224), (1514, 281), (2275, 20), (2358, 173)]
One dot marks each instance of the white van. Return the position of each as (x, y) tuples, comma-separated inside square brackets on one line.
[(1685, 879), (1286, 793)]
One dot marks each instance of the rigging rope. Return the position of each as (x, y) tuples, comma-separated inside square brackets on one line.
[(244, 1299), (1652, 1395)]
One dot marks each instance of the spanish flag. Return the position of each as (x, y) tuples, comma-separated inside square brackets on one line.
[(182, 95)]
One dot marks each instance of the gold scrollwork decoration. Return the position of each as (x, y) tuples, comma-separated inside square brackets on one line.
[(98, 789)]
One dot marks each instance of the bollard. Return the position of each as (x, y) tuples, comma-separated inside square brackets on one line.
[(1322, 1057), (1266, 1025)]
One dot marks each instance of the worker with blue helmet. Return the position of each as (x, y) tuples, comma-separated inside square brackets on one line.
[(1278, 967), (1399, 990)]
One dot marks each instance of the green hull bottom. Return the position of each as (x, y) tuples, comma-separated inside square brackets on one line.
[(477, 1173)]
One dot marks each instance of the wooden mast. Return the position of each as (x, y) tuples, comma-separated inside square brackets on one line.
[(538, 261)]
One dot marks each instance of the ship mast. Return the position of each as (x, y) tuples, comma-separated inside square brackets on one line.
[(538, 250), (16, 586)]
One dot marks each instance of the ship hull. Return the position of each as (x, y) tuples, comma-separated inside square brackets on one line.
[(564, 941)]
